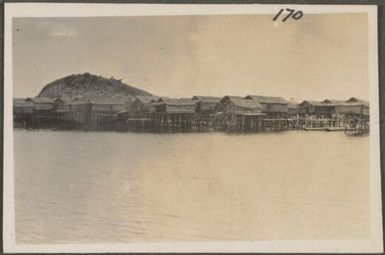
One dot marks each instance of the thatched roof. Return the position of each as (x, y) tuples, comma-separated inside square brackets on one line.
[(41, 100), (245, 103), (62, 98), (108, 101), (292, 104), (146, 99), (78, 102), (180, 109), (229, 98), (175, 101), (351, 101), (99, 101), (312, 102), (207, 99), (267, 99), (176, 105), (333, 102), (355, 100), (20, 102)]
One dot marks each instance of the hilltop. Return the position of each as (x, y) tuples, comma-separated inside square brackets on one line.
[(89, 86)]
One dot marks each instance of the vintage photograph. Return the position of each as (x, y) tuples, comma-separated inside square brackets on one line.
[(191, 128)]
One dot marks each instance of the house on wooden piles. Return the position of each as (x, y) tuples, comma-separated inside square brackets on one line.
[(43, 112), (293, 116), (80, 110), (104, 112), (271, 106), (41, 104), (238, 114), (63, 112), (136, 113), (174, 113), (21, 106), (22, 112), (205, 108), (338, 108), (126, 107), (62, 104), (143, 104), (107, 105), (292, 108), (233, 105), (174, 105), (206, 105), (332, 106), (354, 107), (96, 113), (316, 109)]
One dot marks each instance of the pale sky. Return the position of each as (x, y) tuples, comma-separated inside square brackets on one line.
[(319, 56)]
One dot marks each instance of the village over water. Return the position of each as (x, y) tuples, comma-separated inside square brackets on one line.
[(93, 103)]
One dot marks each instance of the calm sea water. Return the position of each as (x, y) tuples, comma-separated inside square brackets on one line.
[(84, 187)]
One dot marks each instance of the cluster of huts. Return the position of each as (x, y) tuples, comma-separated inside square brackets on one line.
[(151, 113)]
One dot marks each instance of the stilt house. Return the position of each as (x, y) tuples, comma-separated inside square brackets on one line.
[(238, 105), (206, 105), (271, 106)]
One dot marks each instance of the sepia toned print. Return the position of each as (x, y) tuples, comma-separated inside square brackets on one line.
[(244, 132)]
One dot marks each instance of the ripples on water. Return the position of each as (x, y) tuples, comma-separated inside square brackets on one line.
[(84, 187)]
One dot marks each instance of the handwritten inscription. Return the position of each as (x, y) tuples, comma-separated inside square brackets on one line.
[(291, 13)]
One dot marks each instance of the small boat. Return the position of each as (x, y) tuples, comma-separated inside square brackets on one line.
[(335, 129)]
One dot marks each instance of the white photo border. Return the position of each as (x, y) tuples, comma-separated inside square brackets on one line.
[(372, 245)]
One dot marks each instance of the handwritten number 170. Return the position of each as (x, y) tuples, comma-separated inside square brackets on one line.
[(291, 13)]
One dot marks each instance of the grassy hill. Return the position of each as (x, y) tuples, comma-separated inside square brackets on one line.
[(89, 86)]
